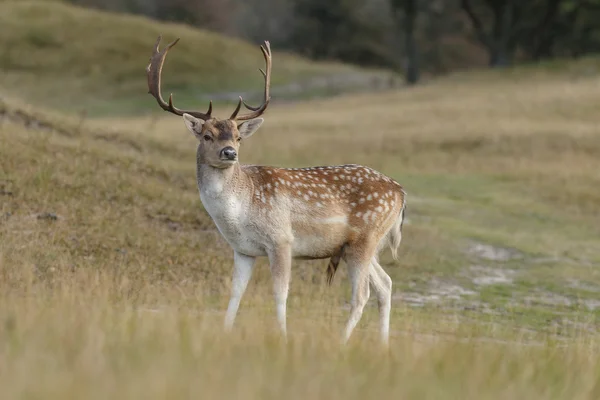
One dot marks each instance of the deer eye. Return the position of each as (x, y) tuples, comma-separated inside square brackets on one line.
[(208, 138), (239, 139)]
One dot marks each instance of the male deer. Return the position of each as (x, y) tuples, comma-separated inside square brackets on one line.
[(340, 212)]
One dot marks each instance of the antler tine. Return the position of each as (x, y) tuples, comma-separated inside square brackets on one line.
[(154, 70), (258, 111), (237, 108)]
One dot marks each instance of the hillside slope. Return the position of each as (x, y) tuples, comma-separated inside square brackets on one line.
[(75, 57)]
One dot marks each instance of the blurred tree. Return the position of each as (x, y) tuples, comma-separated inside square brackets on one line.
[(259, 20), (499, 40), (405, 14), (538, 28), (417, 36), (216, 15), (334, 29), (572, 30), (539, 39)]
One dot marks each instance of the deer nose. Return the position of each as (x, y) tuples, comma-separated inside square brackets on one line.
[(228, 153)]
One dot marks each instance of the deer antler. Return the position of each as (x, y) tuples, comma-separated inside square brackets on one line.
[(154, 70), (257, 111)]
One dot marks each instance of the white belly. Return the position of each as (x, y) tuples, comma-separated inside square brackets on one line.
[(325, 236), (310, 246)]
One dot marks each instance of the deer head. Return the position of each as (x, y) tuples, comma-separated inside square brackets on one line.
[(219, 138)]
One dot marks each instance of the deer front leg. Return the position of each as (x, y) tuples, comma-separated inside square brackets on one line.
[(242, 271), (280, 259)]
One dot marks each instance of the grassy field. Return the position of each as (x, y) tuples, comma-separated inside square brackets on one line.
[(113, 279)]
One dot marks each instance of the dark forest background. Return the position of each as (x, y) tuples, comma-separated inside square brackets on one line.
[(415, 37)]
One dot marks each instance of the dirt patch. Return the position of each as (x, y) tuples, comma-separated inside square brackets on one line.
[(556, 300), (183, 224), (48, 216), (591, 304), (29, 121), (6, 188), (547, 299), (43, 124), (448, 290), (575, 325), (579, 285), (484, 276), (493, 253), (437, 292)]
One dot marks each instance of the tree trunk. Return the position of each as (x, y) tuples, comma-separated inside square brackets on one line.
[(499, 56), (498, 42), (410, 43), (500, 52), (544, 37)]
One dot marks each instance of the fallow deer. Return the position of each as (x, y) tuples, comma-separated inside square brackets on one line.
[(347, 212)]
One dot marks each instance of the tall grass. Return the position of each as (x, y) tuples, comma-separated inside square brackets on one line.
[(85, 334)]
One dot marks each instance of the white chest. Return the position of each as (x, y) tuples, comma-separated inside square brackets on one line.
[(230, 214)]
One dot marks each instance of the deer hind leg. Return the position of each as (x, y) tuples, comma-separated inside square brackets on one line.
[(280, 260), (358, 261), (382, 286)]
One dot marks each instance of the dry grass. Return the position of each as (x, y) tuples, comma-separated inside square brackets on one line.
[(122, 294), (84, 334)]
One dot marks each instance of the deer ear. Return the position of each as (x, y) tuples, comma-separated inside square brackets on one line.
[(247, 128), (193, 124)]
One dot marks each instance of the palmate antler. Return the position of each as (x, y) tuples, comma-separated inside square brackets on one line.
[(154, 71)]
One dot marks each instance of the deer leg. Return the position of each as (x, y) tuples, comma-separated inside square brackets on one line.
[(242, 271), (382, 286), (280, 259), (358, 272)]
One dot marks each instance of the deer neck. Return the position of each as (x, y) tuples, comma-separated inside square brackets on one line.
[(221, 183)]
